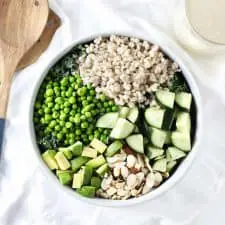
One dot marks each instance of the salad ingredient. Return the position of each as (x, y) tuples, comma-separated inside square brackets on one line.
[(108, 120), (122, 129), (183, 122), (155, 117), (126, 69), (181, 140), (65, 177), (158, 137), (98, 145), (62, 161), (170, 166), (87, 172), (95, 163), (133, 114), (75, 149), (113, 148), (87, 191), (89, 152), (166, 98), (49, 158), (77, 180), (96, 182), (153, 152), (124, 112), (102, 170), (173, 153), (160, 165), (136, 142), (184, 99), (78, 162)]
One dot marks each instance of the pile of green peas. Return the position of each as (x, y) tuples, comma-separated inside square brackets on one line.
[(67, 110)]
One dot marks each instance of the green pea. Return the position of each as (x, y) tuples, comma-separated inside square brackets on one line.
[(59, 100), (66, 142), (42, 121), (69, 93), (76, 86), (92, 92), (66, 110), (82, 91), (55, 115), (49, 92), (74, 106), (56, 107), (79, 81), (52, 124), (72, 99), (89, 98), (62, 123), (66, 104), (73, 112), (71, 141), (77, 120), (85, 102), (57, 128), (111, 102), (47, 110), (83, 118), (108, 110), (37, 105), (59, 136), (72, 79), (62, 116), (48, 99), (115, 108), (50, 104), (99, 105), (64, 81), (48, 118), (72, 135), (69, 125), (63, 94), (90, 137), (102, 97), (88, 114), (78, 132), (105, 104), (84, 125), (71, 119), (64, 130)]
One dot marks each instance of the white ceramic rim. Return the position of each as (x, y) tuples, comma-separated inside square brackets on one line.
[(178, 55)]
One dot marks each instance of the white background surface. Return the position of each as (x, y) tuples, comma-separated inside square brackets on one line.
[(26, 195)]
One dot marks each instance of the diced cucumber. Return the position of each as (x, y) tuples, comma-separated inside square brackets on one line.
[(62, 161), (181, 140), (174, 153), (158, 137), (159, 157), (183, 122), (49, 159), (170, 166), (124, 112), (113, 148), (184, 99), (76, 148), (153, 152), (65, 177), (160, 165), (133, 114), (154, 117), (136, 142), (166, 98), (77, 180), (122, 129), (96, 182), (168, 138), (102, 170), (87, 174), (98, 145), (87, 191), (108, 120), (95, 163), (89, 152), (78, 162)]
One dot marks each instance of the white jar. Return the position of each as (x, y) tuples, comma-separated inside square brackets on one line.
[(188, 36)]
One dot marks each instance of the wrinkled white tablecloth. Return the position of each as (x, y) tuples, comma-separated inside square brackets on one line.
[(28, 198)]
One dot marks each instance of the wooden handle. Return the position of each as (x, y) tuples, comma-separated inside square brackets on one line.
[(9, 58)]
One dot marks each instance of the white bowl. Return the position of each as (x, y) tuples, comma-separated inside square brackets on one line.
[(185, 63)]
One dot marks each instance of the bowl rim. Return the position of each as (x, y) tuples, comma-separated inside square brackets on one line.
[(175, 53)]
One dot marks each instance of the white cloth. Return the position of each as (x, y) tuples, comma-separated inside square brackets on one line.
[(27, 197)]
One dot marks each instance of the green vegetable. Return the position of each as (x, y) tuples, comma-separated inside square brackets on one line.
[(87, 174), (87, 191), (89, 152), (160, 165), (96, 182), (65, 177), (62, 161), (77, 180), (78, 162), (136, 142), (133, 114), (124, 112), (153, 152), (95, 163), (49, 158), (102, 170), (108, 120), (76, 148), (98, 145), (113, 148)]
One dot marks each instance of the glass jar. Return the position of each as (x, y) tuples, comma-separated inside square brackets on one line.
[(192, 33)]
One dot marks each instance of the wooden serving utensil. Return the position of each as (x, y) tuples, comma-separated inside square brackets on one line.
[(21, 24)]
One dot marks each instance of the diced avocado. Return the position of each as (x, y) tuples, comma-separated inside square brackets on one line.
[(113, 148), (153, 152), (95, 163), (87, 173), (62, 161), (76, 148), (102, 170), (122, 129), (67, 153), (160, 165), (78, 162), (124, 112), (65, 177), (96, 182), (63, 171), (49, 159), (77, 180), (87, 191), (89, 152), (108, 120), (98, 145)]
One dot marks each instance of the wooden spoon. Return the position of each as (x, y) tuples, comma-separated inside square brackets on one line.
[(21, 23)]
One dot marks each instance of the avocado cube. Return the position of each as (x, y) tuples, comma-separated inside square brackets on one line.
[(102, 170), (65, 178), (63, 171), (78, 162), (95, 163), (49, 159), (87, 191), (75, 149), (87, 174), (98, 145), (89, 152), (77, 180), (96, 182), (67, 153), (62, 161)]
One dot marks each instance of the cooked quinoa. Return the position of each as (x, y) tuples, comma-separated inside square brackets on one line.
[(126, 69)]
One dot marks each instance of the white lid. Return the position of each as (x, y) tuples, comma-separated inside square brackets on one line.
[(207, 17)]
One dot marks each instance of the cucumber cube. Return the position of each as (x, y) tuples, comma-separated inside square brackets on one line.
[(89, 152), (49, 159), (102, 170), (136, 142), (133, 114), (174, 153), (98, 145), (154, 117), (158, 137), (62, 161), (87, 191), (160, 165), (153, 152), (95, 163), (96, 182), (108, 120), (124, 112), (184, 99), (170, 166), (78, 162)]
